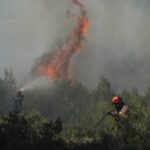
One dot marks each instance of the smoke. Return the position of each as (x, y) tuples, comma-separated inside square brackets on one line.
[(117, 45), (28, 29)]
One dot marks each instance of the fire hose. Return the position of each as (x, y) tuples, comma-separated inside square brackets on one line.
[(115, 116), (103, 117)]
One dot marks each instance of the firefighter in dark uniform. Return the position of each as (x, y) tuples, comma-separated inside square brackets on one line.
[(17, 102)]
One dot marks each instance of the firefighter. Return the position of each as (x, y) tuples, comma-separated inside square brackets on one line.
[(118, 114), (120, 106), (17, 101)]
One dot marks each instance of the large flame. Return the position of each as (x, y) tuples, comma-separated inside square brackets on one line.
[(57, 64)]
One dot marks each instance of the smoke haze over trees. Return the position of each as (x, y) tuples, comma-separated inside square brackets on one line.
[(117, 44), (62, 114)]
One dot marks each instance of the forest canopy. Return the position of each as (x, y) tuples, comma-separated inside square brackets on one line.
[(64, 117)]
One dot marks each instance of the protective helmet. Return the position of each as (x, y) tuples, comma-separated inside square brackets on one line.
[(115, 100), (18, 92)]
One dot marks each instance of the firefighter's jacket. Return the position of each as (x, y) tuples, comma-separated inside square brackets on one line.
[(121, 107), (17, 103)]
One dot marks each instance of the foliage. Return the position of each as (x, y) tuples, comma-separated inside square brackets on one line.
[(104, 90), (7, 88), (18, 132), (80, 110), (65, 99)]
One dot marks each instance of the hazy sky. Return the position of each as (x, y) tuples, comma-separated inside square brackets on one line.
[(28, 28), (117, 45)]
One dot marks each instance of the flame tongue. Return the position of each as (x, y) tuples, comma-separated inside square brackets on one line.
[(57, 64)]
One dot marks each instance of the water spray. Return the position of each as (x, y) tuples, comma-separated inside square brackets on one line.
[(40, 82)]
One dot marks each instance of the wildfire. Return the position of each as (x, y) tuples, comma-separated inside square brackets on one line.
[(57, 64)]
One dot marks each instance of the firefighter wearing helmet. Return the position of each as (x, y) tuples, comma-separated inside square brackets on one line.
[(120, 106), (118, 114)]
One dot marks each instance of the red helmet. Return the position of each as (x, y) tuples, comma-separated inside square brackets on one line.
[(115, 100)]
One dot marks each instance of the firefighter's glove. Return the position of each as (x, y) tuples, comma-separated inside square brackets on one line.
[(121, 114)]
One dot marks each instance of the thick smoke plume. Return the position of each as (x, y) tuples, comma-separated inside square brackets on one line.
[(57, 63), (117, 45)]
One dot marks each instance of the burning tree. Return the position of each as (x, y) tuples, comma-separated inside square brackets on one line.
[(57, 64)]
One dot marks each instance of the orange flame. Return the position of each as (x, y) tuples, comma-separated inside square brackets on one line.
[(57, 64), (85, 27)]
